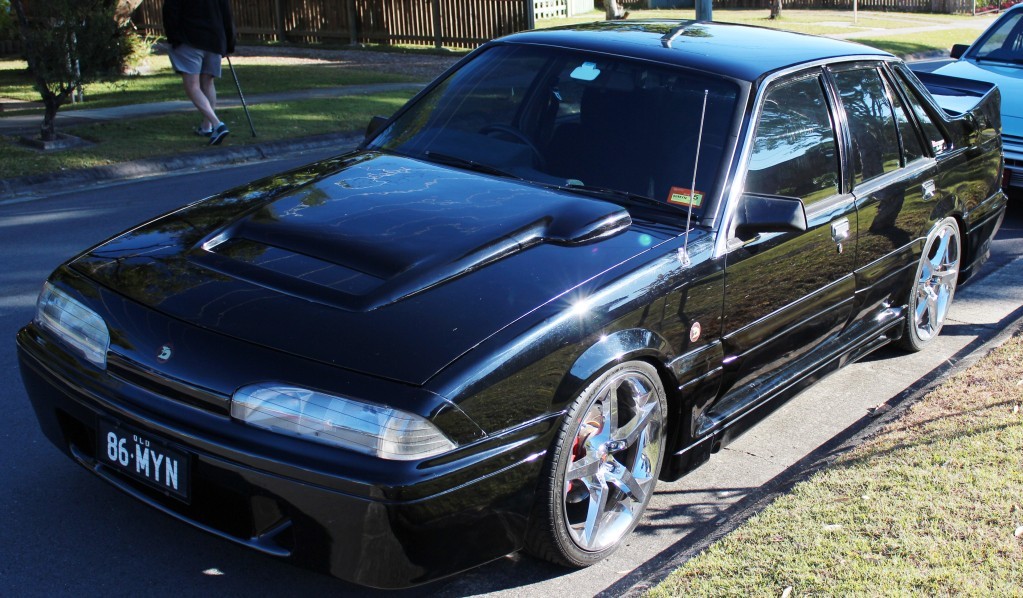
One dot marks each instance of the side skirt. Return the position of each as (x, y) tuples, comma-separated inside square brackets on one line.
[(716, 434)]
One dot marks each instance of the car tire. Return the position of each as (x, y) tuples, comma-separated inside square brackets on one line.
[(602, 469), (934, 285)]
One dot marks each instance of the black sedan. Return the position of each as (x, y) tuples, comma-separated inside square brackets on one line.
[(581, 261)]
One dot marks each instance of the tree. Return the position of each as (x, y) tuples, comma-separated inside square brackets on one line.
[(69, 43), (775, 9)]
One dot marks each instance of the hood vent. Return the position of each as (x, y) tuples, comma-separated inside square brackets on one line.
[(357, 248)]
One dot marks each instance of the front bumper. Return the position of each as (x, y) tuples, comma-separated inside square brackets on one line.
[(462, 509)]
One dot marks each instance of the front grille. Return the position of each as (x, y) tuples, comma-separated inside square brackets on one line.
[(1015, 140), (136, 374), (1016, 177), (222, 502)]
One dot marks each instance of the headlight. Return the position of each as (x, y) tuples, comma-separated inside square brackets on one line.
[(370, 429), (76, 325)]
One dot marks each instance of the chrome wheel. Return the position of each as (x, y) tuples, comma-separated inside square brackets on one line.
[(604, 468), (611, 475), (935, 285)]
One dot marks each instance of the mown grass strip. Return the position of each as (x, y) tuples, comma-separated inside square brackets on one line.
[(920, 42), (172, 134), (160, 83), (932, 505)]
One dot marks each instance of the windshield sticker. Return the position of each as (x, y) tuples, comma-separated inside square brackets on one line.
[(683, 197), (587, 72)]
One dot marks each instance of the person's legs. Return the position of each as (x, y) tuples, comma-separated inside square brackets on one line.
[(196, 67), (207, 84), (210, 71), (196, 94)]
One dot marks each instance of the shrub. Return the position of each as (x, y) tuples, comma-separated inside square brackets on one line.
[(68, 43)]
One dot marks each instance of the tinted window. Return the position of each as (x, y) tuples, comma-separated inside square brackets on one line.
[(794, 150), (875, 142), (931, 131), (575, 119), (912, 149)]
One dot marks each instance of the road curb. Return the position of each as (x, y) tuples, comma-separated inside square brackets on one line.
[(43, 184), (656, 570)]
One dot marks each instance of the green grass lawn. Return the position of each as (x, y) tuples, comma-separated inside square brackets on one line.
[(931, 506), (172, 134), (918, 43), (161, 83)]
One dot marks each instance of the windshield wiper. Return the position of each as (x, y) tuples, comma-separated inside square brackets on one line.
[(608, 193), (468, 164)]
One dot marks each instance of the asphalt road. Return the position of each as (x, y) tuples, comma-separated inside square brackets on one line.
[(68, 533)]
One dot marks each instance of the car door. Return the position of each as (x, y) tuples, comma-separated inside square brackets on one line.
[(894, 183), (787, 294)]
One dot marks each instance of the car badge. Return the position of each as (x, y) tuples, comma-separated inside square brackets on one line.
[(694, 332), (165, 353)]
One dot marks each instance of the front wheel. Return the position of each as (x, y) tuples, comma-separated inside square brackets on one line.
[(934, 286), (603, 468)]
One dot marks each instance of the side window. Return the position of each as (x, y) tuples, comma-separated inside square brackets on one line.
[(931, 131), (875, 142), (794, 152), (912, 149)]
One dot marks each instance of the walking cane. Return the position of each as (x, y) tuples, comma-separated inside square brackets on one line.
[(240, 96)]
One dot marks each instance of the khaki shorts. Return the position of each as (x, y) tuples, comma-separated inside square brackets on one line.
[(193, 61)]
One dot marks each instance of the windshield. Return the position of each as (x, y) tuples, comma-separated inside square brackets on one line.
[(592, 123), (1004, 41)]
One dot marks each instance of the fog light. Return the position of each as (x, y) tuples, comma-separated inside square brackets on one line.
[(75, 325), (371, 429)]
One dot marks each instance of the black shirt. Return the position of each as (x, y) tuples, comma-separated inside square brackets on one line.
[(203, 24)]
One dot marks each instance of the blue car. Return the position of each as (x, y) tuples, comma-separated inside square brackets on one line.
[(997, 57)]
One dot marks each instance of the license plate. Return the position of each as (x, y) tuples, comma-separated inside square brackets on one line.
[(144, 457)]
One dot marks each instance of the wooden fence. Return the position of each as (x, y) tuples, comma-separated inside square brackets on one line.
[(441, 23)]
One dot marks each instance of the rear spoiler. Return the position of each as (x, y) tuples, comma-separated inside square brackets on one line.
[(971, 107), (965, 97)]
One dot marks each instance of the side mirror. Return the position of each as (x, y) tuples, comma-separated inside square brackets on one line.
[(769, 214), (958, 50), (375, 124)]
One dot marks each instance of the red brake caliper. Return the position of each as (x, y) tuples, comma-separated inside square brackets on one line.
[(579, 446)]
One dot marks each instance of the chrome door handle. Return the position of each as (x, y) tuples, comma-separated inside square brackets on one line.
[(928, 189), (840, 232)]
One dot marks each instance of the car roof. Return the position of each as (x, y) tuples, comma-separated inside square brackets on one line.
[(738, 51)]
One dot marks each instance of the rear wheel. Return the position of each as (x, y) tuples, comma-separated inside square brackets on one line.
[(937, 275), (603, 468)]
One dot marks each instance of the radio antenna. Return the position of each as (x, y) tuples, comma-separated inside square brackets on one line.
[(692, 188)]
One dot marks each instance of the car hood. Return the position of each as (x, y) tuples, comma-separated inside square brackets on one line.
[(384, 265), (1009, 80)]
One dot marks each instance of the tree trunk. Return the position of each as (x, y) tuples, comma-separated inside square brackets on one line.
[(613, 11), (775, 9), (48, 132), (124, 10)]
